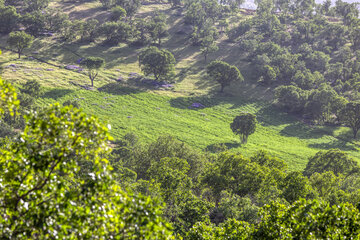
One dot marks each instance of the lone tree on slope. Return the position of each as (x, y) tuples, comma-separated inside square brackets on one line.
[(93, 65), (244, 125), (224, 73), (20, 41), (161, 63)]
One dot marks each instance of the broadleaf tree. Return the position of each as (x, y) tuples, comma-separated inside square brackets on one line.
[(20, 41), (224, 73), (93, 65), (350, 115), (161, 63), (244, 125)]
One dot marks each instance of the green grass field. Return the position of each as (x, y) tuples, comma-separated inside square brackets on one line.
[(150, 113)]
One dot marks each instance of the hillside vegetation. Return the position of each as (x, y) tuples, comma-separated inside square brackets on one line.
[(142, 109), (179, 119)]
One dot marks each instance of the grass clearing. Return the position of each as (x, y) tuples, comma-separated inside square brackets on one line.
[(150, 115)]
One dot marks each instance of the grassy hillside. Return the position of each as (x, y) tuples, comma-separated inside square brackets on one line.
[(150, 113)]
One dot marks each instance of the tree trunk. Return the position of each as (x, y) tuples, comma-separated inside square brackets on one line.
[(19, 54), (355, 131), (92, 82), (205, 56), (222, 88)]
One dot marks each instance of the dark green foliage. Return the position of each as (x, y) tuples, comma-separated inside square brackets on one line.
[(161, 63), (291, 98), (6, 131), (230, 229), (116, 32), (89, 30), (9, 19), (244, 125), (193, 210), (56, 167), (234, 173), (175, 3), (130, 6), (232, 206), (350, 116), (167, 146), (34, 22), (224, 73), (323, 103), (117, 13), (106, 3), (208, 45), (295, 186), (35, 5), (332, 160), (157, 27), (54, 19), (198, 12), (172, 175), (263, 158), (240, 30)]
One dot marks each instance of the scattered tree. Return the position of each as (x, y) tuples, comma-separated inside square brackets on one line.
[(244, 125), (158, 27), (351, 116), (158, 62), (20, 41), (93, 65), (208, 45), (224, 73)]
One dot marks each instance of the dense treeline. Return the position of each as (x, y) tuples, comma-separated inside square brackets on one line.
[(311, 54)]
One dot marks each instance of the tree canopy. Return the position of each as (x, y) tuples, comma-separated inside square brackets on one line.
[(93, 65), (224, 73), (161, 63), (244, 125), (20, 41)]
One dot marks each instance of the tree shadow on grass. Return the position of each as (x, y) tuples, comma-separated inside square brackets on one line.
[(340, 144), (222, 147), (199, 102), (270, 115), (231, 145), (118, 89), (302, 131), (56, 93)]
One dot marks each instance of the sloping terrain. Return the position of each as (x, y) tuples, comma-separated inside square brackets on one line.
[(131, 106)]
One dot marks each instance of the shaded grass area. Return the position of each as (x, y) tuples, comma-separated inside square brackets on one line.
[(151, 115)]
